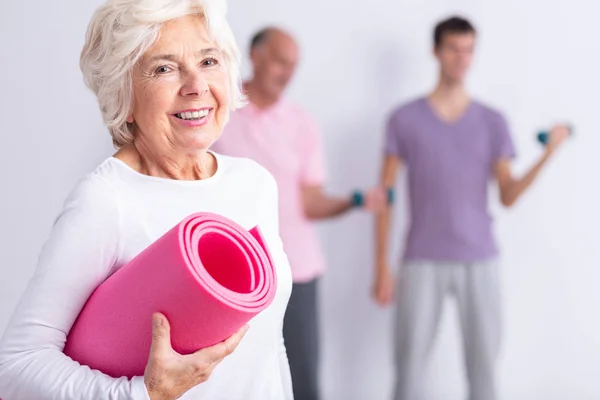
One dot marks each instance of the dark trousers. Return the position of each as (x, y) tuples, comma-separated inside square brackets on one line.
[(301, 335)]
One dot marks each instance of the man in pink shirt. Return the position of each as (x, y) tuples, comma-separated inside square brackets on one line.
[(285, 140)]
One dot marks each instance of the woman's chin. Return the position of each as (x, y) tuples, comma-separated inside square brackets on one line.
[(198, 144)]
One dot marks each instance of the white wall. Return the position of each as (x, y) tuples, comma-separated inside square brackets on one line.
[(358, 62)]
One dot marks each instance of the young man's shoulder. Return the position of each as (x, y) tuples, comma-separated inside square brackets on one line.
[(410, 105), (408, 109), (488, 110)]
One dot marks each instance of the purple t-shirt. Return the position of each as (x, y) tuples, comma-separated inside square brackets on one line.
[(449, 167)]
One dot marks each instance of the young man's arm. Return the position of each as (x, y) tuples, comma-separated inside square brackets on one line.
[(512, 188), (383, 287)]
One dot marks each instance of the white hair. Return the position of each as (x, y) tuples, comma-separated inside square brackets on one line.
[(121, 31)]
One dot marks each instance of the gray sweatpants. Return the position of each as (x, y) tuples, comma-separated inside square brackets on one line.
[(301, 335), (422, 288)]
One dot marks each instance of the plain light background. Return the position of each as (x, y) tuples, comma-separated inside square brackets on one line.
[(537, 61)]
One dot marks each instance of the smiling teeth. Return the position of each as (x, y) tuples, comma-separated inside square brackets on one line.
[(193, 114)]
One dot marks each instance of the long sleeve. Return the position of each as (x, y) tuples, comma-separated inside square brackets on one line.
[(271, 228), (78, 255)]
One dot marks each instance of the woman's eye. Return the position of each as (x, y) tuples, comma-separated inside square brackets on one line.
[(162, 70), (209, 62)]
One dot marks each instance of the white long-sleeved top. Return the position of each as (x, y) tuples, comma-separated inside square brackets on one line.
[(111, 216)]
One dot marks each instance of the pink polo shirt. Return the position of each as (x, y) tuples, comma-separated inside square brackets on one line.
[(286, 141)]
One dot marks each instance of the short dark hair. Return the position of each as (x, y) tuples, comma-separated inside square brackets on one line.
[(451, 25), (259, 38)]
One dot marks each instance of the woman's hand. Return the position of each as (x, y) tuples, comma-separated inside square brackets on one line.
[(169, 374)]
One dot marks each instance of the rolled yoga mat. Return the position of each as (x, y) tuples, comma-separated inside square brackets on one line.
[(207, 275)]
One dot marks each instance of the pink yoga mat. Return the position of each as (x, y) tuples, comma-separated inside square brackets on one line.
[(207, 275)]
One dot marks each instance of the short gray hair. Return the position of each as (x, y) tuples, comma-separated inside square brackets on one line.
[(121, 31)]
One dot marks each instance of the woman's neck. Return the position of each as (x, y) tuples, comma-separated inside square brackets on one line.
[(171, 165)]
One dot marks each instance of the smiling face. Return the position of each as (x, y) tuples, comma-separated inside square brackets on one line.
[(180, 90)]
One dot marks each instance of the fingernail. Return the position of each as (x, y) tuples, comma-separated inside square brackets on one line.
[(156, 321)]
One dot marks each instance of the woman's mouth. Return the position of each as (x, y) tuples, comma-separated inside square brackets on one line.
[(192, 115)]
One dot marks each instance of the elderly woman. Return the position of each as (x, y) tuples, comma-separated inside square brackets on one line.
[(166, 74)]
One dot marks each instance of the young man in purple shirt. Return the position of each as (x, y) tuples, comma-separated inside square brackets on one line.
[(451, 145)]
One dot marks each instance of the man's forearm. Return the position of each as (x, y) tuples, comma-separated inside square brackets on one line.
[(322, 206), (519, 186), (382, 229)]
